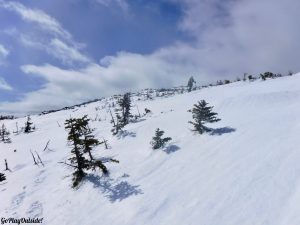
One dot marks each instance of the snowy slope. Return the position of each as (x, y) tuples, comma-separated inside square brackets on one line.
[(246, 173)]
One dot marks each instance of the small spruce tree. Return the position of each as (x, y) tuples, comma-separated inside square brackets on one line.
[(190, 84), (82, 140), (77, 160), (202, 113), (158, 141), (4, 135), (89, 141)]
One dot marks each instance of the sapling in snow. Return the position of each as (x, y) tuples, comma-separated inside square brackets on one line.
[(202, 113), (158, 141)]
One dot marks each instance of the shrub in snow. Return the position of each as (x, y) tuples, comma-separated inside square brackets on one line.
[(202, 113), (158, 141)]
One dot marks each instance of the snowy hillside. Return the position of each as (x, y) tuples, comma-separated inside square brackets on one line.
[(247, 172)]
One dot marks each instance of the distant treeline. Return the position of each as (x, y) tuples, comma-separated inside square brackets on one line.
[(8, 117)]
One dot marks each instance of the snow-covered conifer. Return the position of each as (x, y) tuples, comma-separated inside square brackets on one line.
[(190, 84), (28, 126), (4, 135)]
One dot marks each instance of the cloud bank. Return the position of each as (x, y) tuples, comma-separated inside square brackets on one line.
[(228, 38)]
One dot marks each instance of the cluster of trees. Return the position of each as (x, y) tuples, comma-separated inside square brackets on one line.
[(5, 134), (202, 114), (82, 140), (8, 117)]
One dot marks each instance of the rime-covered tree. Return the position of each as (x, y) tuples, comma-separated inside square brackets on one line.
[(28, 125), (158, 141), (4, 135), (191, 83), (202, 113), (2, 177)]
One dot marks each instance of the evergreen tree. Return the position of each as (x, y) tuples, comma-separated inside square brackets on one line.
[(202, 113), (122, 113), (28, 125), (89, 141), (191, 83), (4, 135), (262, 76), (82, 140), (157, 141), (77, 160), (2, 177)]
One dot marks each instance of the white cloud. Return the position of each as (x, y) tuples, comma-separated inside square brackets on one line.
[(230, 38), (121, 3), (4, 85), (51, 38), (67, 53), (37, 16)]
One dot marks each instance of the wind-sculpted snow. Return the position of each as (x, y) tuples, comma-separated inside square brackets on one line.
[(246, 171)]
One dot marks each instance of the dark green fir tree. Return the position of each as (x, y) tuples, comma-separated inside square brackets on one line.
[(202, 114), (158, 141)]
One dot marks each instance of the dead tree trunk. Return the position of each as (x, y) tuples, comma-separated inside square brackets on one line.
[(6, 165), (35, 163)]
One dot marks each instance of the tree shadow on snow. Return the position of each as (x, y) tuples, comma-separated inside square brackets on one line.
[(125, 133), (171, 148), (222, 130), (137, 120), (114, 190)]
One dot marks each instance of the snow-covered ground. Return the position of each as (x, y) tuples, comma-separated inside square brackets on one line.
[(247, 172)]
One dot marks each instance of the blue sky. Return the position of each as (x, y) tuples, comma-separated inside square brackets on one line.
[(55, 53), (102, 29)]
